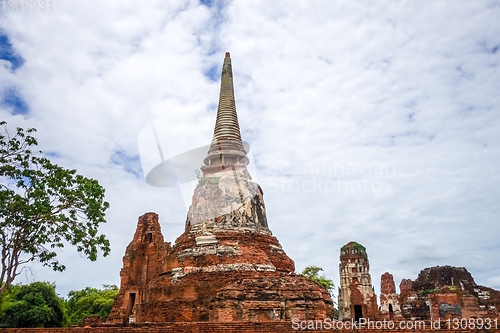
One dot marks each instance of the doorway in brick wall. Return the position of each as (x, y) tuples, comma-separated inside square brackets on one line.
[(358, 312)]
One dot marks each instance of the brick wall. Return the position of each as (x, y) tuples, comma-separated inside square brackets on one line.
[(207, 327)]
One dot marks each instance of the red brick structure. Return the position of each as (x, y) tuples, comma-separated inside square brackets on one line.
[(438, 293), (141, 264), (356, 296), (405, 285), (234, 327), (226, 266), (92, 321), (447, 292), (389, 302)]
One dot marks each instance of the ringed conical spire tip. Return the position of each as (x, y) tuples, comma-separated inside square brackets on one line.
[(227, 147)]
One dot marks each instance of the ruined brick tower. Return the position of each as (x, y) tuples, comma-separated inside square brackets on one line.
[(226, 266), (356, 296), (389, 302)]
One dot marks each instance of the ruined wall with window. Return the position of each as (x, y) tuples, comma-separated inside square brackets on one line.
[(142, 262)]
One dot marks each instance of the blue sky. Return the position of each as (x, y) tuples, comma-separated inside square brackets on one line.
[(7, 52), (11, 98), (349, 87)]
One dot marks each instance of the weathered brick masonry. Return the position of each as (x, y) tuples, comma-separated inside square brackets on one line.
[(204, 327), (441, 292), (447, 292), (227, 273), (226, 266), (357, 298)]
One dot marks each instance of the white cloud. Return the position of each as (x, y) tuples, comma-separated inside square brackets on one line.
[(6, 64)]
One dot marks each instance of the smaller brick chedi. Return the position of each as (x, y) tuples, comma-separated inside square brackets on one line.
[(226, 266), (356, 296), (389, 299)]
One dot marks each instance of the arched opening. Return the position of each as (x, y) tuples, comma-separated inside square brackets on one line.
[(391, 312), (358, 312)]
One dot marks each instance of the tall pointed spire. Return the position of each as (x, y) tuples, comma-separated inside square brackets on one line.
[(226, 148)]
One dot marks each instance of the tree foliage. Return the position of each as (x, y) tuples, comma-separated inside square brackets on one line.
[(90, 302), (312, 272), (33, 305), (42, 207)]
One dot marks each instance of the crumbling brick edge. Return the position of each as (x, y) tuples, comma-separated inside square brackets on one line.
[(206, 327)]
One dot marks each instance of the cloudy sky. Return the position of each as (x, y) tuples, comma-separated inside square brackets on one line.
[(372, 121)]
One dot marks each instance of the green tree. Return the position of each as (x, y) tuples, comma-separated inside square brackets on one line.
[(42, 207), (90, 302), (312, 272), (33, 305)]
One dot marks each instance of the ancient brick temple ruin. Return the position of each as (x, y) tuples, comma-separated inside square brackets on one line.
[(447, 292), (437, 293), (226, 266), (357, 298), (389, 299)]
